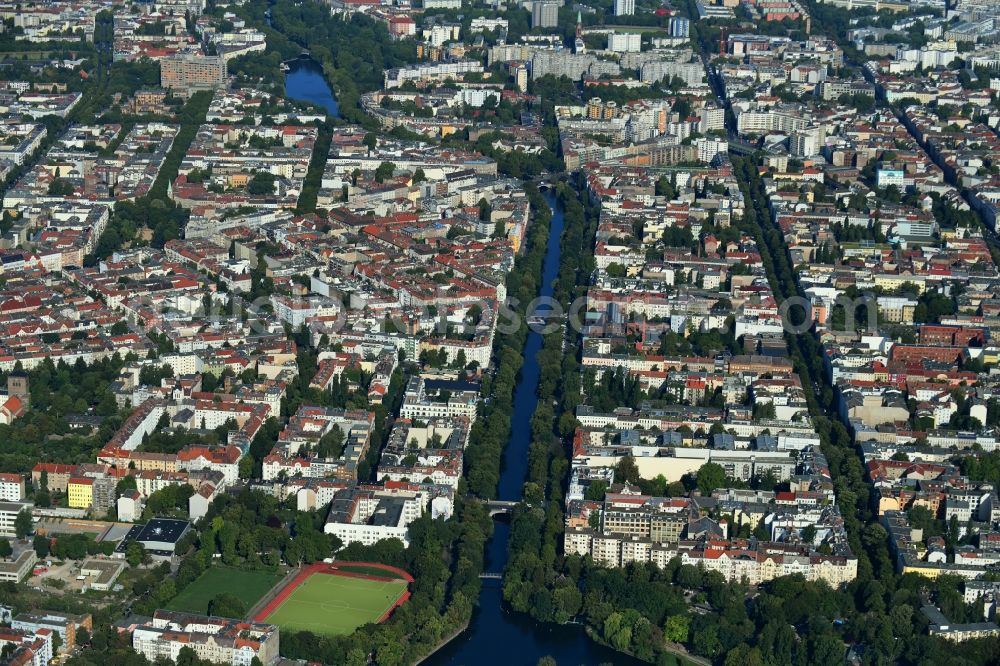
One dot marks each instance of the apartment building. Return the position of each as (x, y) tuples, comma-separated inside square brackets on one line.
[(17, 570), (430, 399), (215, 639), (739, 560), (66, 625), (8, 515), (188, 74), (370, 513), (624, 7), (11, 487), (80, 492), (544, 14), (26, 647), (52, 476)]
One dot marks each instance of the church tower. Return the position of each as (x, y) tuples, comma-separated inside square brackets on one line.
[(17, 385)]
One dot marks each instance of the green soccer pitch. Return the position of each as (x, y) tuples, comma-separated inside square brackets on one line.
[(247, 586), (329, 605)]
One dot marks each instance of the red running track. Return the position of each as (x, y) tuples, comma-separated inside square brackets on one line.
[(334, 570)]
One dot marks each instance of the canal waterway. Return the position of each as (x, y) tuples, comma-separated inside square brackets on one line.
[(498, 636)]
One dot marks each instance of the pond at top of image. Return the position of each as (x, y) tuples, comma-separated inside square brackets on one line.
[(304, 82)]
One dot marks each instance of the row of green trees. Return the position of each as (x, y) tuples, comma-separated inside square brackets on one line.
[(156, 210), (314, 176), (537, 526), (491, 430)]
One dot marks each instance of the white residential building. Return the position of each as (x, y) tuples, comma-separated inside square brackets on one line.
[(215, 639), (11, 487), (628, 42), (624, 7), (8, 514)]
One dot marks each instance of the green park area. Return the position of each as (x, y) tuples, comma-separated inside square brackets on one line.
[(329, 605), (245, 586)]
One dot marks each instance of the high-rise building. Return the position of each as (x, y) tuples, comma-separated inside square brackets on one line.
[(680, 26), (545, 14), (519, 72), (708, 148), (625, 42), (624, 7), (711, 118), (187, 74)]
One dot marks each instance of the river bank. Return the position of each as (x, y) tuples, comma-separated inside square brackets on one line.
[(444, 641)]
